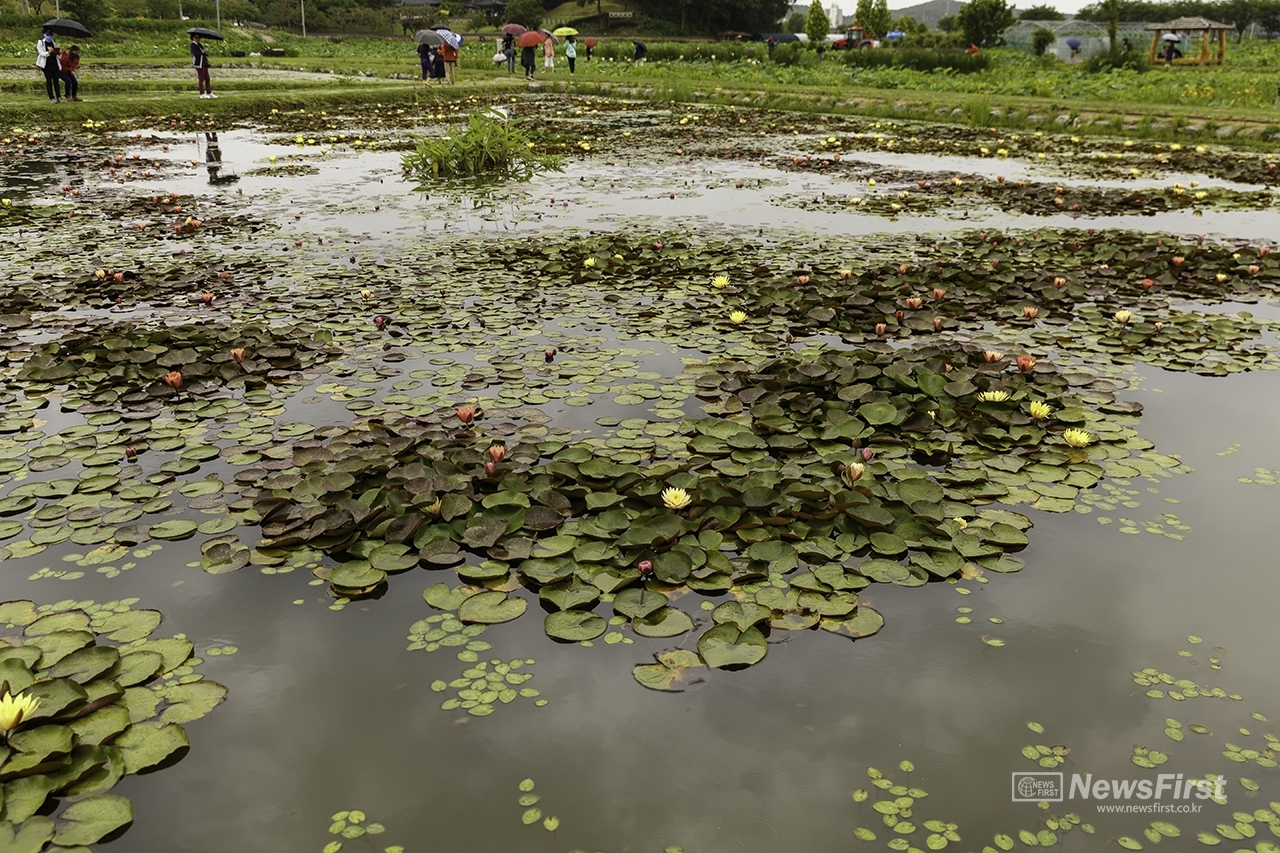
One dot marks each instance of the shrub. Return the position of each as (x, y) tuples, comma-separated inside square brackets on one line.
[(488, 148), (1116, 61), (1041, 39), (956, 62)]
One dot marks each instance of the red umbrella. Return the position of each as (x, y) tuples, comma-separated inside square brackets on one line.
[(590, 42), (514, 29), (531, 39)]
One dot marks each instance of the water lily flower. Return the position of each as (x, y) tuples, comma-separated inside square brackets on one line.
[(1264, 251), (802, 280), (853, 472), (1147, 284), (1030, 312), (1221, 276), (366, 293), (993, 396), (881, 328), (961, 523), (490, 467), (868, 454), (992, 356), (466, 414), (173, 379), (645, 567), (380, 321), (937, 324), (1178, 260), (737, 317), (914, 302), (549, 354), (846, 274), (433, 509), (938, 293), (1040, 410), (946, 368), (589, 262), (1059, 282), (902, 269), (497, 453), (15, 709), (721, 280), (1077, 438), (1123, 316), (675, 498), (238, 353), (1026, 363), (1159, 326), (206, 298)]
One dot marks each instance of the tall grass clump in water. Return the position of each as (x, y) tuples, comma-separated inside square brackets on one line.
[(978, 112), (490, 147)]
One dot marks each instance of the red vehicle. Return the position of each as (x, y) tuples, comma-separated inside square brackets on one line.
[(852, 37)]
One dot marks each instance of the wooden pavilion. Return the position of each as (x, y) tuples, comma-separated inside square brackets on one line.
[(1205, 27)]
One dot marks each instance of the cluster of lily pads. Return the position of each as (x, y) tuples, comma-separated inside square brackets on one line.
[(89, 696)]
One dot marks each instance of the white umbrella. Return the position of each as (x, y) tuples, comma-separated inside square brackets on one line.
[(1170, 37)]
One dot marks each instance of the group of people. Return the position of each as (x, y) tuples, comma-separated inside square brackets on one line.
[(439, 63), (529, 56), (59, 68)]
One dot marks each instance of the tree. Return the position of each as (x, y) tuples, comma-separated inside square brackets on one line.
[(817, 25), (1269, 17), (947, 23), (795, 23), (1041, 39), (984, 21), (1111, 10), (910, 25), (873, 16), (1240, 14), (1041, 13), (527, 13)]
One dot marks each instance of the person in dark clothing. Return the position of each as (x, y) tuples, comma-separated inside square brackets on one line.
[(590, 47), (1125, 47), (68, 62), (526, 62), (641, 53), (509, 50), (200, 61), (437, 66), (47, 62), (424, 58)]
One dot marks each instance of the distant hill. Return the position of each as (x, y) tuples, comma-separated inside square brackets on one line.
[(930, 13)]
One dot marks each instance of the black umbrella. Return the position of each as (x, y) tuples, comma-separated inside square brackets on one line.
[(63, 27), (205, 33)]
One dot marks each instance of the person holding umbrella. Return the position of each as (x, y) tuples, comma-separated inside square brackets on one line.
[(570, 52), (641, 54), (509, 51), (549, 54), (200, 61), (591, 45), (527, 43), (47, 62), (449, 53)]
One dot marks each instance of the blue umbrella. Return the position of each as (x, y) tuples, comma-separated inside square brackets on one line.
[(1074, 44), (894, 35), (450, 38)]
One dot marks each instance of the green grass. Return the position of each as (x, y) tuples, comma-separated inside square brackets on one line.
[(150, 76)]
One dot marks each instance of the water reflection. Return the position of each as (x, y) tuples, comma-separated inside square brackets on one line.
[(213, 161)]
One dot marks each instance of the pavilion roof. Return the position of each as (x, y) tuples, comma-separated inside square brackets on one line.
[(1189, 24)]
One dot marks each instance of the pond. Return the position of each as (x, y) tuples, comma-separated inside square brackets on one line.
[(692, 498)]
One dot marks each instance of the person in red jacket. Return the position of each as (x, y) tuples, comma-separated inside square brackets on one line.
[(450, 54), (68, 62)]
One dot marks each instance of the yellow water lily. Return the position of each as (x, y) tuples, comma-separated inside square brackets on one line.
[(853, 472), (589, 262), (1040, 410), (993, 396), (721, 280), (737, 316), (433, 509), (1077, 437), (15, 709), (676, 498), (1123, 316)]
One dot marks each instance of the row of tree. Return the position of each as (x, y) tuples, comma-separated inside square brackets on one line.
[(1238, 13)]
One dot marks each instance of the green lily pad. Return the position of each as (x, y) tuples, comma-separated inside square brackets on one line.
[(574, 625), (726, 647), (490, 608)]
